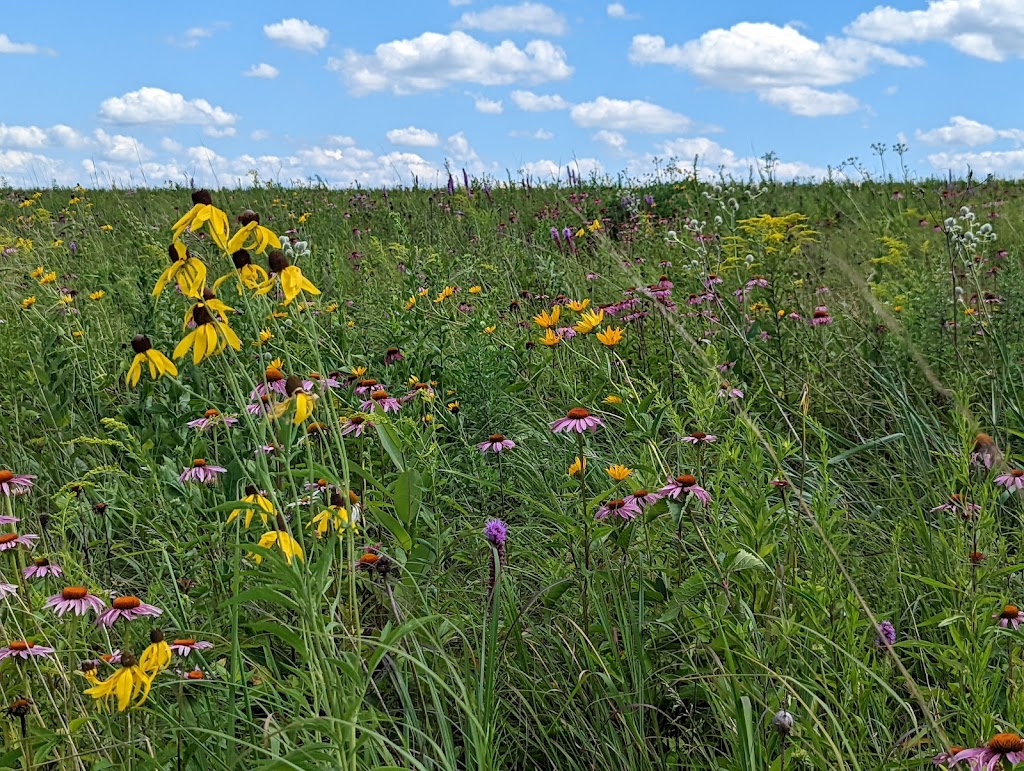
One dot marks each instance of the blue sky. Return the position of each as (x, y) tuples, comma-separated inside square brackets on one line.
[(377, 93)]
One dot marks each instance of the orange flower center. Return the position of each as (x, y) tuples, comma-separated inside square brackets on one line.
[(274, 374), (369, 558), (20, 645), (618, 503), (421, 386), (195, 674), (6, 476), (983, 441), (74, 592), (187, 641), (379, 395), (314, 375), (820, 314), (1010, 611), (1017, 473), (42, 562), (641, 494), (392, 351), (686, 480), (356, 420), (1006, 743), (198, 463), (8, 537), (211, 413), (578, 413), (368, 383), (497, 437), (129, 602), (955, 498), (699, 435)]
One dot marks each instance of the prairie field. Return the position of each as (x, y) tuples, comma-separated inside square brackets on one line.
[(662, 474)]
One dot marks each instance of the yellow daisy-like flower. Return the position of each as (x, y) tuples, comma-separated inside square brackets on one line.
[(759, 307), (475, 289), (209, 338), (299, 400), (203, 212), (358, 371), (38, 272), (780, 313), (550, 339), (280, 538), (67, 299), (49, 278), (595, 225), (611, 337), (145, 353), (290, 277), (589, 321), (265, 337), (28, 302), (97, 295), (410, 303), (578, 306), (612, 399), (58, 243), (78, 333), (334, 517), (247, 274), (186, 269), (330, 307), (157, 656), (578, 465), (106, 228), (618, 472), (304, 216), (423, 292), (489, 330), (211, 303), (259, 504), (252, 235), (546, 320), (129, 686), (445, 293)]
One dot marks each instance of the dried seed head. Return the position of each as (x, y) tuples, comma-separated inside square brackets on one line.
[(141, 344), (292, 384), (241, 258), (277, 261), (202, 197), (156, 636), (248, 216)]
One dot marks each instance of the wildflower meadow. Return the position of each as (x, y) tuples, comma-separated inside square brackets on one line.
[(652, 474)]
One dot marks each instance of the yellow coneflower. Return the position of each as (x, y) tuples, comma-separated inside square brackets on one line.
[(38, 272), (87, 669), (546, 320), (288, 546), (203, 212), (595, 225), (209, 338), (106, 228), (28, 302), (252, 235), (49, 278), (612, 399), (247, 274), (259, 503), (475, 289), (129, 684), (611, 336), (578, 465), (67, 299), (209, 299), (454, 407), (489, 330), (159, 365), (445, 293), (298, 399), (265, 336), (410, 303), (578, 306), (618, 472), (330, 307), (589, 321), (185, 268), (334, 516), (278, 315), (290, 277), (550, 338), (157, 656), (98, 295)]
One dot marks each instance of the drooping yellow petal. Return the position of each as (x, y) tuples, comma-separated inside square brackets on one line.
[(219, 227), (135, 370), (124, 688), (164, 365), (180, 225), (238, 239), (291, 283), (184, 346), (303, 407)]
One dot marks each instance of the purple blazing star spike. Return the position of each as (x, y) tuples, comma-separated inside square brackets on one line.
[(496, 443), (22, 649), (681, 486), (451, 185), (555, 236), (886, 634), (577, 420), (496, 532), (624, 508), (129, 608)]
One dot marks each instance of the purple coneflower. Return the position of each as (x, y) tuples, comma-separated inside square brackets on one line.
[(129, 608), (41, 568), (392, 355), (683, 485), (727, 391), (958, 503), (383, 399), (1005, 746), (624, 508), (643, 498), (1009, 616), (366, 385), (212, 418), (185, 646), (6, 590), (1012, 479), (76, 599), (577, 420), (274, 382), (820, 317), (356, 425), (985, 451), (886, 634), (201, 472), (496, 443), (22, 649), (699, 437), (15, 484), (711, 280), (12, 540)]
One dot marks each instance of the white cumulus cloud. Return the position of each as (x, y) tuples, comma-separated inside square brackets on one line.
[(413, 137), (489, 106), (628, 115), (156, 106), (964, 132), (809, 102), (616, 10), (298, 34), (1003, 163), (262, 70), (8, 46), (433, 61), (611, 139), (525, 17), (987, 29), (531, 102)]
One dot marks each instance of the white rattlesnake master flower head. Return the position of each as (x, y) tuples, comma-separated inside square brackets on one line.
[(718, 220), (985, 229), (949, 223)]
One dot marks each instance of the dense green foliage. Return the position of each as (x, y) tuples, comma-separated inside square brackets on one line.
[(669, 640)]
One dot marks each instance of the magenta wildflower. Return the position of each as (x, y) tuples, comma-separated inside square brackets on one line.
[(382, 399), (1004, 746), (6, 519), (643, 498), (6, 590), (577, 420), (820, 317), (76, 599), (699, 437), (496, 443), (41, 568), (201, 472), (728, 391), (212, 418), (12, 540), (496, 532), (22, 649), (12, 484), (683, 485), (1009, 616), (392, 355), (886, 634), (356, 425), (129, 608), (958, 503), (185, 646), (1012, 480), (623, 508)]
